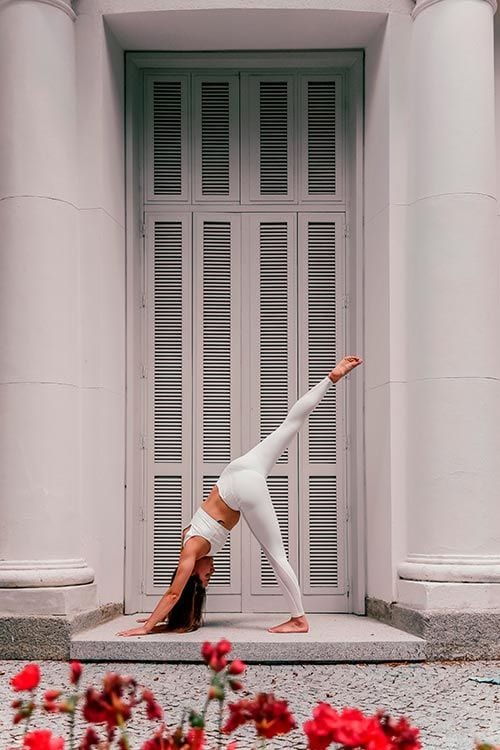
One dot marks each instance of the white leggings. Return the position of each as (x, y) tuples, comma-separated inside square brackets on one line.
[(243, 487)]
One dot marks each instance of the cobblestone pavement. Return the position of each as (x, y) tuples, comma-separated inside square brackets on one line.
[(450, 709)]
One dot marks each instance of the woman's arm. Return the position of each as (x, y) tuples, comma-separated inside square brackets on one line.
[(184, 570), (195, 548)]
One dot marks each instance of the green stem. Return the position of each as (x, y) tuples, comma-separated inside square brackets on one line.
[(219, 724), (123, 732), (72, 729)]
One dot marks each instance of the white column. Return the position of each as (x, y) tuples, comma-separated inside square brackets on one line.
[(453, 297), (39, 312)]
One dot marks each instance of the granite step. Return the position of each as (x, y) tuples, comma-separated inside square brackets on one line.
[(331, 638)]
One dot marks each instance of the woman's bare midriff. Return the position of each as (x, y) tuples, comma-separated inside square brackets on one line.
[(215, 506)]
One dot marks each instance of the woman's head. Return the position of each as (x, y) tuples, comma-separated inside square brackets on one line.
[(187, 612)]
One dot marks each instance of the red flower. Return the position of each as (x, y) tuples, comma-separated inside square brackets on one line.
[(43, 739), (90, 739), (111, 705), (153, 708), (236, 685), (400, 733), (75, 672), (195, 739), (27, 679), (237, 667), (271, 717)]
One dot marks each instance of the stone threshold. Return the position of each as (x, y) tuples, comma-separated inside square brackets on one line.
[(331, 638)]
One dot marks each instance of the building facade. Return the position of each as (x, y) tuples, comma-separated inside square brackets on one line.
[(202, 204)]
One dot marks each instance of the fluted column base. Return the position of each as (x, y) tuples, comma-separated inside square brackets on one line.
[(43, 573)]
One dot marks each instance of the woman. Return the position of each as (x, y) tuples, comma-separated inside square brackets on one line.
[(240, 489)]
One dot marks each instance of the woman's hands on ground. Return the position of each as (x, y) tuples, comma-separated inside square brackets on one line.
[(135, 631)]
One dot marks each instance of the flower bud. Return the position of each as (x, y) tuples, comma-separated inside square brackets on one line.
[(223, 647), (215, 693), (237, 667), (207, 651), (236, 684), (51, 695), (217, 664), (75, 672)]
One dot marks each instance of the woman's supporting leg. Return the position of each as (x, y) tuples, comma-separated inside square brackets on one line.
[(265, 454), (259, 513)]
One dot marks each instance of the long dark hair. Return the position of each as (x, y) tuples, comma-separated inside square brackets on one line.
[(187, 613)]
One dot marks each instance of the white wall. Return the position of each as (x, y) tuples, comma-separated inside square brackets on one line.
[(100, 85), (101, 131), (386, 148)]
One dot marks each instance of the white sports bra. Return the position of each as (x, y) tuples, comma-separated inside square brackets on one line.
[(202, 524)]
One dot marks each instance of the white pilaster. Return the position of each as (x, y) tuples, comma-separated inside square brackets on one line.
[(39, 304), (453, 298)]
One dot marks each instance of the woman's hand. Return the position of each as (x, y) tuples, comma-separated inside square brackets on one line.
[(344, 366), (135, 631)]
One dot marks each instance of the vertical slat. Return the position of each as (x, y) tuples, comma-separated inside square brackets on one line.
[(216, 330), (221, 577), (322, 166), (278, 488), (272, 138), (321, 285), (166, 138), (216, 138), (167, 527), (273, 354), (169, 329), (167, 435)]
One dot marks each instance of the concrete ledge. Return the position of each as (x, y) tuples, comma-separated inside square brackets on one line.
[(448, 633), (47, 636), (332, 638)]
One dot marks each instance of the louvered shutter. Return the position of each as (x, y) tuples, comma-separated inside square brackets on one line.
[(168, 396), (321, 174), (216, 138), (273, 325), (322, 513), (216, 375), (166, 138), (271, 137)]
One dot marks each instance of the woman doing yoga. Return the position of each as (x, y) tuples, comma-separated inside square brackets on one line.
[(240, 490)]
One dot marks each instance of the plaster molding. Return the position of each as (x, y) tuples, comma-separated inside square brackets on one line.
[(38, 573), (451, 568), (61, 4), (423, 4)]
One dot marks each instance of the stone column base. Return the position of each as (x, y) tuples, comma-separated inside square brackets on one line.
[(50, 600), (449, 633), (48, 636)]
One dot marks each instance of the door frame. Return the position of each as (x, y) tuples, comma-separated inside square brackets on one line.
[(351, 64)]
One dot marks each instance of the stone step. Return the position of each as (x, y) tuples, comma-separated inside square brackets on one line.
[(331, 638)]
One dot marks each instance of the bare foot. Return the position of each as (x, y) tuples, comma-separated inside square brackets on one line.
[(293, 625), (343, 367)]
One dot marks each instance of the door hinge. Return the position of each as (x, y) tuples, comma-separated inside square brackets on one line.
[(144, 371), (347, 230), (143, 229), (347, 442), (143, 299), (141, 514), (142, 587), (143, 441), (348, 590), (347, 300)]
